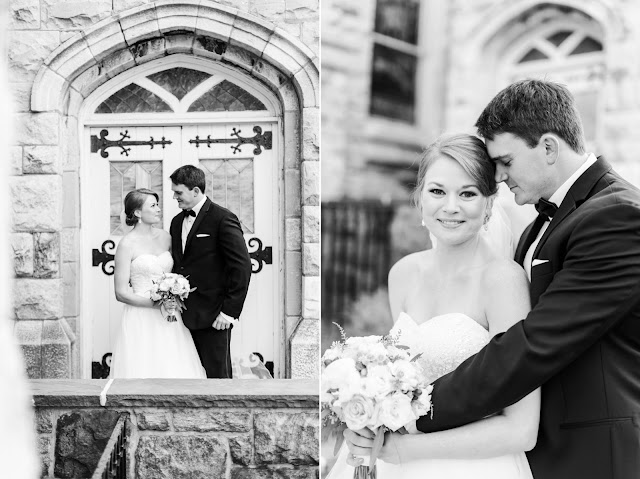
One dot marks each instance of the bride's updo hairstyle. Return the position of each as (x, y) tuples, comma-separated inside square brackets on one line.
[(134, 201), (470, 153)]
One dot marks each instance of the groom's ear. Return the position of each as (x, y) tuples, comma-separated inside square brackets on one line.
[(551, 146)]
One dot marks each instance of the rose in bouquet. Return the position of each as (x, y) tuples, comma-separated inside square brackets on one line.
[(371, 382), (171, 289)]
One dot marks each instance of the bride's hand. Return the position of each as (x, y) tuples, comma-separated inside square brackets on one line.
[(360, 444)]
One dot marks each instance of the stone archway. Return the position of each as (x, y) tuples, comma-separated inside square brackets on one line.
[(220, 34)]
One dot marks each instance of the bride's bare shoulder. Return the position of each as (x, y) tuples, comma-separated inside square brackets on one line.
[(409, 266), (504, 272)]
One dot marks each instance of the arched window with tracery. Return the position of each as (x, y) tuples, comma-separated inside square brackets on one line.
[(568, 50)]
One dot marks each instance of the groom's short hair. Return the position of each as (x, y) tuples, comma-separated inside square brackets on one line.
[(189, 176), (529, 109)]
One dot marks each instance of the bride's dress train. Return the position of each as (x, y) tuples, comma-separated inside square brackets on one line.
[(445, 341), (149, 346)]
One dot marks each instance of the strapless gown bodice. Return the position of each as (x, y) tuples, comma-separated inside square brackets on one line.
[(146, 268), (444, 342)]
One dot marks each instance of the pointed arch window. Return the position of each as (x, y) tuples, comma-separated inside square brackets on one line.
[(181, 89)]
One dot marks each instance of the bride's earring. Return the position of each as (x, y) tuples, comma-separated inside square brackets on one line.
[(485, 223), (423, 223)]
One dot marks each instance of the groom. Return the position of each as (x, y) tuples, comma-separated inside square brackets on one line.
[(581, 340), (207, 246)]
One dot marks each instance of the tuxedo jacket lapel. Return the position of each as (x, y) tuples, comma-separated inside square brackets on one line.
[(577, 194), (203, 211), (176, 238)]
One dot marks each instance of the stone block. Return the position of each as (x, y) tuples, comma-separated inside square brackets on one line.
[(56, 351), (15, 160), (292, 139), (311, 133), (37, 298), (29, 336), (21, 96), (251, 473), (209, 47), (45, 96), (311, 183), (292, 192), (269, 74), (271, 10), (181, 16), (246, 34), (290, 101), (293, 234), (204, 420), (179, 43), (71, 199), (311, 35), (307, 82), (22, 246), (290, 325), (295, 473), (148, 50), (81, 438), (70, 245), (241, 450), (305, 350), (36, 202), (215, 21), (41, 160), (44, 451), (44, 421), (27, 52), (311, 297), (292, 28), (105, 38), (311, 224), (71, 286), (57, 15), (286, 438), (117, 62), (37, 128), (122, 5), (302, 10), (46, 255), (180, 457), (152, 420), (240, 57), (24, 14), (140, 24), (71, 58), (89, 80), (311, 259), (293, 282)]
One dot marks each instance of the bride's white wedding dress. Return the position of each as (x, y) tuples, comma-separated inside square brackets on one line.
[(445, 341), (148, 345)]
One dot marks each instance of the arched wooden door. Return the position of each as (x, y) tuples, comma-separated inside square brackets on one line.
[(140, 133)]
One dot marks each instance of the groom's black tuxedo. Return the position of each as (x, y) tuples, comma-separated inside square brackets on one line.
[(217, 263), (581, 341)]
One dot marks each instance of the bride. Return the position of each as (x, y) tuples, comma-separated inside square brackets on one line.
[(148, 345), (449, 301)]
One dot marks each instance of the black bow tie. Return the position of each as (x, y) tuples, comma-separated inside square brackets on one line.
[(189, 213), (546, 209)]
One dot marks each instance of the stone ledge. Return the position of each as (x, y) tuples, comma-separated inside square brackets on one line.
[(207, 393)]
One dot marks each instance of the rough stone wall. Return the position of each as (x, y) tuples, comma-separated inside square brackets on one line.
[(182, 435), (455, 86), (44, 183)]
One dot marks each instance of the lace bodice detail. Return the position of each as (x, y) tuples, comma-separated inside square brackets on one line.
[(146, 268), (445, 341)]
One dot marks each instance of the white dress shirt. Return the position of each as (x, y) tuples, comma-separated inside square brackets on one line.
[(187, 222), (557, 199)]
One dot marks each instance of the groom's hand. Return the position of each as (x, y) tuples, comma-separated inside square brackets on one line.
[(223, 322)]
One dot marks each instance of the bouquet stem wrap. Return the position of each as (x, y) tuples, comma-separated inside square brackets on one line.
[(365, 472)]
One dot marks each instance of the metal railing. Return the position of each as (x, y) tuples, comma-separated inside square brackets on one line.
[(113, 462), (356, 251)]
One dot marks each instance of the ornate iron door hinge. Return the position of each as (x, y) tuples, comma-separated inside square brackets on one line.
[(102, 257), (101, 370), (263, 140), (260, 256), (101, 144)]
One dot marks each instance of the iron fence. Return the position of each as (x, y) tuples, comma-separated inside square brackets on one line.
[(113, 462), (356, 251)]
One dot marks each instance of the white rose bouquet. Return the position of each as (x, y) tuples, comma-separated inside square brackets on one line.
[(371, 382), (171, 289)]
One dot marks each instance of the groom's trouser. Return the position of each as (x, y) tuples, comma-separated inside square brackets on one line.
[(214, 348)]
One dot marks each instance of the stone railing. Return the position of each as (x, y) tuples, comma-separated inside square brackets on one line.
[(227, 429)]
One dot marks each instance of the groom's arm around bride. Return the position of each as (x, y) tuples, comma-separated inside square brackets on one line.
[(581, 341)]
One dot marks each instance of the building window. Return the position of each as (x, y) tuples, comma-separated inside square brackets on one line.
[(572, 56), (395, 60)]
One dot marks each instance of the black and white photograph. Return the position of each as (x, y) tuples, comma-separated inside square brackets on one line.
[(480, 239), (162, 238)]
